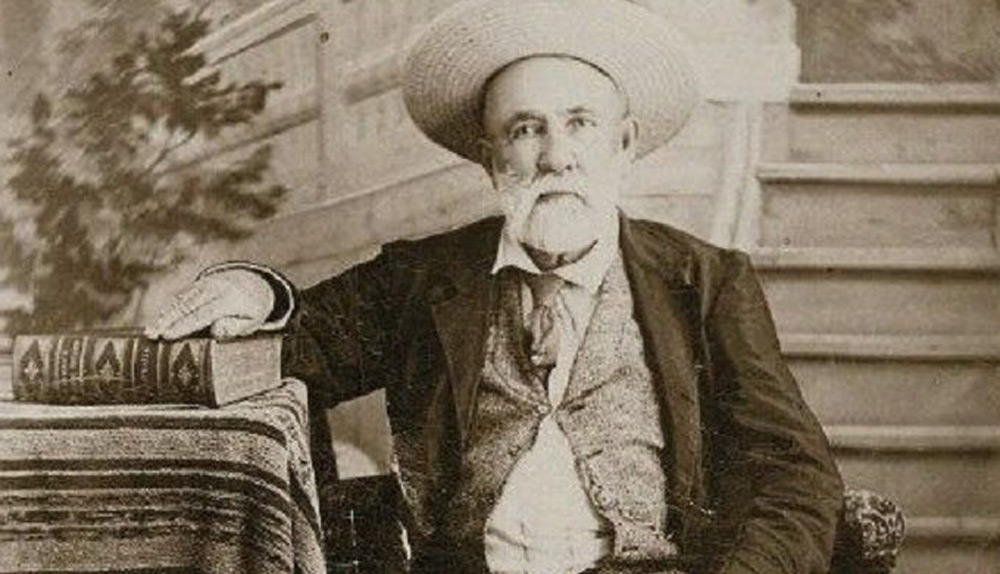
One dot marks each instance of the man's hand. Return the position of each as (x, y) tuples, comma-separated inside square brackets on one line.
[(233, 302)]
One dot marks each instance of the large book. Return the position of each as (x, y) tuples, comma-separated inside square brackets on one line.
[(103, 368)]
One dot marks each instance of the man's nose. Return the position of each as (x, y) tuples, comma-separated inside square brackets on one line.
[(556, 154)]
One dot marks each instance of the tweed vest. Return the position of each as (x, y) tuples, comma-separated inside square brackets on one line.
[(610, 415)]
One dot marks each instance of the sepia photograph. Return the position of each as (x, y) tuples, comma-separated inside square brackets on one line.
[(500, 286)]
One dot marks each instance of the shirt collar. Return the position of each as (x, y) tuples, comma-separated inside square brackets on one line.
[(587, 272)]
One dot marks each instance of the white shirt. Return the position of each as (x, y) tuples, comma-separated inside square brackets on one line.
[(544, 522)]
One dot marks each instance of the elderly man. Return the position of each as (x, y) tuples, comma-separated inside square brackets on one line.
[(570, 390)]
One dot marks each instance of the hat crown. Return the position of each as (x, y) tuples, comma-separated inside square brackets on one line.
[(467, 44)]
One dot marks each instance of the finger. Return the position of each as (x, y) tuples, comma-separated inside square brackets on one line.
[(197, 319), (179, 305), (152, 330), (230, 327), (167, 316), (198, 295)]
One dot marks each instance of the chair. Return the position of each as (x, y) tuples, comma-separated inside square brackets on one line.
[(364, 536), (869, 535)]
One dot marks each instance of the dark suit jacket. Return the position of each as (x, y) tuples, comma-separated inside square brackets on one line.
[(749, 468)]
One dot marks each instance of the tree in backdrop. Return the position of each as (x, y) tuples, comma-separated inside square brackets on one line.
[(99, 201)]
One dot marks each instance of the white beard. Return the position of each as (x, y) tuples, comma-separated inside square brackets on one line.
[(561, 224), (554, 223)]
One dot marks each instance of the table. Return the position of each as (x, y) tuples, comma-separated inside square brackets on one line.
[(160, 488)]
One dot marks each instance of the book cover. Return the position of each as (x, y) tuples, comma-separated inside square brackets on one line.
[(101, 368)]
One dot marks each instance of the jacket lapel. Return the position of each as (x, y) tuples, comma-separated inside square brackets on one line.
[(461, 310), (667, 308)]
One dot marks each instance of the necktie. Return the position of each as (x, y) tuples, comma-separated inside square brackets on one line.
[(543, 320)]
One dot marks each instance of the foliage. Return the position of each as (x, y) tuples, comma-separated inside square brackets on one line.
[(99, 202)]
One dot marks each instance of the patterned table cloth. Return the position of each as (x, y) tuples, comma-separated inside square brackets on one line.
[(159, 488)]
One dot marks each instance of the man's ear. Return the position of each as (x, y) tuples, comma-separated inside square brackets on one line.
[(630, 136), (486, 156)]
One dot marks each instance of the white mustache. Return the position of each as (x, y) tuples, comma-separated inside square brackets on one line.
[(549, 185)]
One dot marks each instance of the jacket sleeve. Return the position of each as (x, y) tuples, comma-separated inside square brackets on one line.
[(776, 485), (343, 339)]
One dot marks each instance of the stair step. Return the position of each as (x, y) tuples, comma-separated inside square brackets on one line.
[(877, 259), (882, 206), (852, 391), (928, 470), (980, 347), (893, 123), (974, 528), (937, 544), (853, 301), (976, 96), (951, 439), (955, 174)]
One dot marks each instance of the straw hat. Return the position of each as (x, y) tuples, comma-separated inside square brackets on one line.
[(460, 50)]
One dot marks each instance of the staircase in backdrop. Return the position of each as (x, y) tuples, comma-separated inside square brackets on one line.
[(878, 249)]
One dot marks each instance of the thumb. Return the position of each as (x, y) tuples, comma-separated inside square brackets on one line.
[(230, 327)]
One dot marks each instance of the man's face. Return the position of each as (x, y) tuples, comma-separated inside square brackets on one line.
[(558, 146)]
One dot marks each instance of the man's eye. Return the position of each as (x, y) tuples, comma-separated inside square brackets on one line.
[(526, 130), (581, 122)]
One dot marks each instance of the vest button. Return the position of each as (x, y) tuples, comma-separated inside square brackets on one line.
[(602, 498), (636, 515)]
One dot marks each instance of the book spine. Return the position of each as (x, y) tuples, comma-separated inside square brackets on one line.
[(86, 369), (211, 391), (30, 364), (145, 371), (186, 373)]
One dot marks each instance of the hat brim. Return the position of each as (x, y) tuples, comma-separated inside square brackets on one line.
[(457, 54)]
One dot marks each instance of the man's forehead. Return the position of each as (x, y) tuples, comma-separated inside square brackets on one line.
[(552, 80)]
